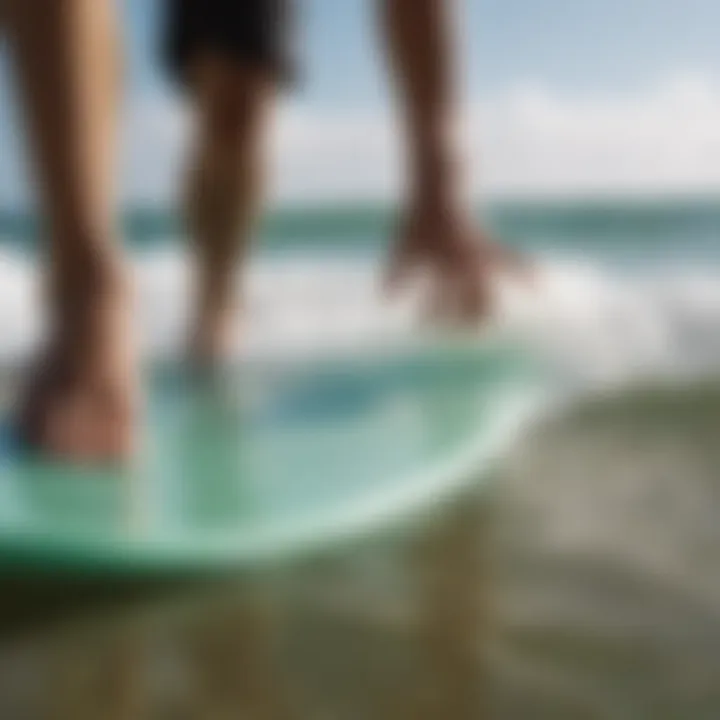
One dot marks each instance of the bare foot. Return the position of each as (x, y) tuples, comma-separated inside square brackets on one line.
[(80, 400)]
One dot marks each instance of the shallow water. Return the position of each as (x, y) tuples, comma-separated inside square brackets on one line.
[(610, 541), (586, 585)]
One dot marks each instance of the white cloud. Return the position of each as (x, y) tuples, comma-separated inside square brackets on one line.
[(529, 140), (666, 139)]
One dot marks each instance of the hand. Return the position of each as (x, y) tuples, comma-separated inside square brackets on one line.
[(460, 259)]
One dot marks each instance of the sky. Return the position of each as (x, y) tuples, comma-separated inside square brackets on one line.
[(560, 97)]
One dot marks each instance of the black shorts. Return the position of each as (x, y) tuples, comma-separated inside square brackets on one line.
[(255, 32)]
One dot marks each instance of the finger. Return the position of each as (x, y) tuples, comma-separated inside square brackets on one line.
[(462, 276), (438, 305), (514, 261), (451, 293), (403, 262), (467, 299), (471, 300)]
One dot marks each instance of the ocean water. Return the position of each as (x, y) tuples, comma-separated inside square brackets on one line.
[(622, 291), (605, 538)]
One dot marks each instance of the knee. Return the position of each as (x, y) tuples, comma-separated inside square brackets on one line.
[(234, 113)]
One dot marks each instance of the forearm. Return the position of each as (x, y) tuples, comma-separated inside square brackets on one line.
[(420, 49)]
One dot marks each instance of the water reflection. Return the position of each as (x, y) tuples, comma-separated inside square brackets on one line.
[(387, 631), (586, 587)]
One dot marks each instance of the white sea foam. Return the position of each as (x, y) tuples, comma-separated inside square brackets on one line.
[(593, 325)]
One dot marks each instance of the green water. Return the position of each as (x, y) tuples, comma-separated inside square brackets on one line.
[(528, 224), (586, 586)]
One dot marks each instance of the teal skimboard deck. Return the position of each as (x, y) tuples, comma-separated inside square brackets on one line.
[(272, 458)]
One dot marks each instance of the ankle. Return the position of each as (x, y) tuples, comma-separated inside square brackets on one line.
[(87, 297), (84, 276), (215, 284)]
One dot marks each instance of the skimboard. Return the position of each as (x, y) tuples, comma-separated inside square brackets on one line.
[(270, 458)]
